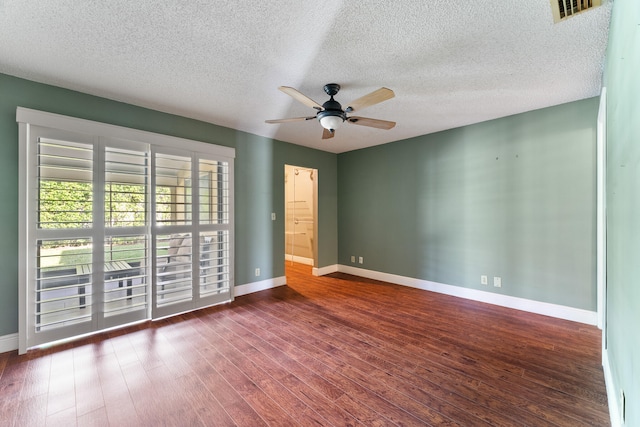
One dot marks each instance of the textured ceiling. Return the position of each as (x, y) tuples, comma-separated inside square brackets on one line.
[(450, 62)]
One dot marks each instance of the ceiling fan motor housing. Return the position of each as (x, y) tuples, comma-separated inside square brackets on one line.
[(331, 88), (331, 109)]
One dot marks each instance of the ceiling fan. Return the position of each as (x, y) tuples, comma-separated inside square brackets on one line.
[(331, 115)]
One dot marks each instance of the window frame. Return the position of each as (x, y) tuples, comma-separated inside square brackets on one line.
[(103, 135)]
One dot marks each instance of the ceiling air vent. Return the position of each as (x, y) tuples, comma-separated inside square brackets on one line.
[(563, 9)]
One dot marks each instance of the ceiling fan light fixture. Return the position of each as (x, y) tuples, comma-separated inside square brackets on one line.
[(331, 121), (331, 115)]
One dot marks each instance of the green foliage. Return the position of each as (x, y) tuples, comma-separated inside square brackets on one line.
[(163, 203), (69, 204), (65, 204), (125, 205)]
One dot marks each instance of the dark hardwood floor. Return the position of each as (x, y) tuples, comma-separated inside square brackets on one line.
[(334, 350)]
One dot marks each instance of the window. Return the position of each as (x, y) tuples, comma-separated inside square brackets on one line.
[(113, 230)]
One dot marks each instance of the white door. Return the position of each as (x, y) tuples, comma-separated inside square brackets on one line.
[(117, 230), (87, 245), (191, 231)]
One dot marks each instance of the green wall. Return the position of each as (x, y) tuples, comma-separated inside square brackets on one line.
[(622, 80), (259, 181), (513, 197)]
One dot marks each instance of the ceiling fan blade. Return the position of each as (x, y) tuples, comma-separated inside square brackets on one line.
[(292, 119), (373, 98), (326, 133), (374, 123), (300, 97)]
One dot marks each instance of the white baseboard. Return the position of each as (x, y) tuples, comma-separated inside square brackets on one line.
[(249, 288), (298, 259), (321, 271), (8, 343), (547, 309), (612, 396)]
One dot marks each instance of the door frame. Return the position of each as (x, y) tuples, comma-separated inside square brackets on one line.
[(314, 212), (601, 216)]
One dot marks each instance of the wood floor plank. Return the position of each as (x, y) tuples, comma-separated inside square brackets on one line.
[(250, 346), (61, 394), (30, 412), (36, 381), (386, 374), (202, 402), (337, 350), (348, 381), (115, 392), (4, 359), (282, 396), (388, 385), (88, 389), (96, 418), (261, 403), (312, 389), (63, 418), (238, 409), (13, 377)]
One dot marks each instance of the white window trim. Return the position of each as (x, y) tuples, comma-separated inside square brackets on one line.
[(73, 124), (26, 117)]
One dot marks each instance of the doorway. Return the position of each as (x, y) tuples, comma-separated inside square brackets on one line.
[(301, 211)]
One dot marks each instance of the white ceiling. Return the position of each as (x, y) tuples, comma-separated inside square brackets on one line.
[(450, 62)]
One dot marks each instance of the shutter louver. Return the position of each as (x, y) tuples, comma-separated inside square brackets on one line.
[(118, 226), (174, 269), (63, 294), (65, 183), (173, 190)]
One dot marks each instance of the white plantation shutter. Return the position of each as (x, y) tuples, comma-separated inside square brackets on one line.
[(173, 232), (215, 264), (173, 172), (62, 297), (125, 292), (126, 187), (213, 181), (126, 277), (65, 182), (214, 227), (118, 226), (192, 231)]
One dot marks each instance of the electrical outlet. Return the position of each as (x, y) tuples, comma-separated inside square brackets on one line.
[(257, 272), (497, 282), (273, 216), (360, 260), (484, 280), (353, 258)]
